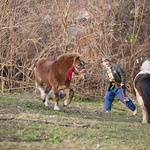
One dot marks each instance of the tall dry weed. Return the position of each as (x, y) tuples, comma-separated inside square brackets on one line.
[(30, 30)]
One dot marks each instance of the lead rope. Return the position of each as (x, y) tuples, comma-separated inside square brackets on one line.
[(125, 98)]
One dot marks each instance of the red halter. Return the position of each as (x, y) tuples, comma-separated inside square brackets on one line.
[(69, 75)]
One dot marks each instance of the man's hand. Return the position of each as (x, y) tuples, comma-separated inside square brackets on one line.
[(121, 84), (112, 80)]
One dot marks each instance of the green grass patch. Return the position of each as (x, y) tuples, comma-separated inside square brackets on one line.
[(24, 125)]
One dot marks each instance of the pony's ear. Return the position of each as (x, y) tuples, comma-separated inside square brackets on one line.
[(77, 57)]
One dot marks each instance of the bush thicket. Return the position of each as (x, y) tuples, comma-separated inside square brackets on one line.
[(31, 29)]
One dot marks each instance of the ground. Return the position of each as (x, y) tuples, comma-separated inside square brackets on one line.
[(25, 123)]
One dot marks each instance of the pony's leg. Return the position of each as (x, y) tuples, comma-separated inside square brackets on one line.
[(56, 99), (43, 94), (69, 96), (48, 95), (141, 102), (144, 111), (46, 102), (39, 85)]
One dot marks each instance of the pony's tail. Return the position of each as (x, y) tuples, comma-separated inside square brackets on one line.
[(145, 88)]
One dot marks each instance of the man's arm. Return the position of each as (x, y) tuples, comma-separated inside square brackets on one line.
[(122, 75)]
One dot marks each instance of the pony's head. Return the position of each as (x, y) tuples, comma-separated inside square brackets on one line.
[(79, 66), (79, 63), (146, 65)]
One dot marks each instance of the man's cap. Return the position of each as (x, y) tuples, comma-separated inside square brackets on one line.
[(105, 59)]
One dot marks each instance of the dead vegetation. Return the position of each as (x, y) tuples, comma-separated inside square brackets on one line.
[(33, 29)]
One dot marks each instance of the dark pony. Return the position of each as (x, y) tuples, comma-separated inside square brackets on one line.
[(142, 90), (57, 75)]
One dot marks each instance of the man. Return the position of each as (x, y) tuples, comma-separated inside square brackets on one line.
[(116, 77)]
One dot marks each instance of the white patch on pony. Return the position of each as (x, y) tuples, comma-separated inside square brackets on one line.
[(46, 100), (56, 108), (139, 98), (43, 95), (65, 103), (146, 66)]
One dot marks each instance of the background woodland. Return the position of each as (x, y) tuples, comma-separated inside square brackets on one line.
[(31, 29)]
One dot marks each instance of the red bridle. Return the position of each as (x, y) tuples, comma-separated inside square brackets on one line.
[(69, 75)]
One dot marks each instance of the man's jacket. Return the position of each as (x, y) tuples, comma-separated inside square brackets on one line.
[(118, 74)]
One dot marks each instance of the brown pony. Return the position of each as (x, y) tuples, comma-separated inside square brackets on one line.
[(57, 75)]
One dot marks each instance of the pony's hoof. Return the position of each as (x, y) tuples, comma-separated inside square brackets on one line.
[(65, 103), (56, 108), (43, 97), (46, 104), (144, 122)]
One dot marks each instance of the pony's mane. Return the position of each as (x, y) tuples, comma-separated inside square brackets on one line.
[(146, 65), (67, 56), (65, 61)]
